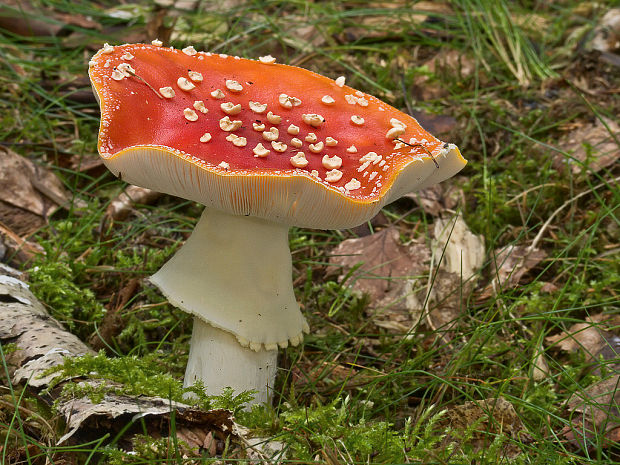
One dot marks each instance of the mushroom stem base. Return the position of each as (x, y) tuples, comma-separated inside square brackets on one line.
[(216, 358)]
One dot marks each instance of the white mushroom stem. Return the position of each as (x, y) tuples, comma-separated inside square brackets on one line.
[(216, 358), (234, 273)]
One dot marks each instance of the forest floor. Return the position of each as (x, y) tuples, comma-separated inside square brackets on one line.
[(474, 322)]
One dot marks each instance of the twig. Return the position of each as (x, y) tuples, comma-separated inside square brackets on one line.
[(561, 207), (531, 189), (423, 148), (143, 80)]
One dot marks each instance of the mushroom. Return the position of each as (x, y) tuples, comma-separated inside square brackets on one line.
[(234, 273)]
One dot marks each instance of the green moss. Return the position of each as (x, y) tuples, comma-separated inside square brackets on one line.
[(137, 376), (53, 283)]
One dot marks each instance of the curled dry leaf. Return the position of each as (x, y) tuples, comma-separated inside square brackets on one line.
[(607, 32), (389, 274), (122, 205), (592, 146), (458, 254), (396, 277), (540, 367), (16, 249), (595, 339), (492, 417), (510, 264)]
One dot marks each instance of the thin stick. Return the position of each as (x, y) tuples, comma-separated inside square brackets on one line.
[(561, 207), (142, 79), (423, 148)]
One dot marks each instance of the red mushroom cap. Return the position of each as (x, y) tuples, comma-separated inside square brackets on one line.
[(257, 138)]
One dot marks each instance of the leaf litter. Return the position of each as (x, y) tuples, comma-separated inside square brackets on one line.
[(592, 146), (510, 264), (593, 412), (479, 423), (399, 279)]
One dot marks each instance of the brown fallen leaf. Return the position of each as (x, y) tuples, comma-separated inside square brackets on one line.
[(493, 417), (607, 32), (595, 415), (389, 274), (441, 125), (24, 18), (20, 17), (595, 338), (510, 264), (594, 145), (29, 193), (396, 277), (122, 205), (17, 251), (438, 199)]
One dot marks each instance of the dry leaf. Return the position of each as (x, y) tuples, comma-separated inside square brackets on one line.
[(122, 205), (18, 250), (20, 18), (389, 274), (439, 198), (492, 417), (607, 32), (459, 254), (540, 367), (29, 193), (592, 144), (595, 339), (595, 414), (510, 265), (440, 125)]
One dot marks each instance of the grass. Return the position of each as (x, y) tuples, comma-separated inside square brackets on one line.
[(353, 392)]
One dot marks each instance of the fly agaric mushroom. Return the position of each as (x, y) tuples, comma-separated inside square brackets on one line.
[(264, 147)]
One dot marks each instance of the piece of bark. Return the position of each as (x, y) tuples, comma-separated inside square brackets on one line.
[(42, 343), (41, 340)]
